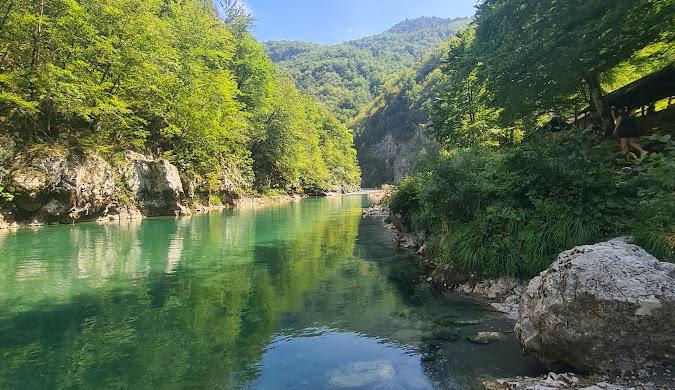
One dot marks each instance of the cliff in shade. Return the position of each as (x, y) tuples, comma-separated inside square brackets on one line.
[(390, 134)]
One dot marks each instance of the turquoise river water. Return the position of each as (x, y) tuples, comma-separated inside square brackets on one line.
[(301, 295)]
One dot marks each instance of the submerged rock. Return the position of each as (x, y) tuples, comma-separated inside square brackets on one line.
[(465, 321), (603, 307), (487, 337), (441, 333), (359, 374)]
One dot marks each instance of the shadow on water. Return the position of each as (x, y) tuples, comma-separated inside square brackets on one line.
[(286, 296)]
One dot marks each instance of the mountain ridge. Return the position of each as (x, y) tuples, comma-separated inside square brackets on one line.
[(348, 76)]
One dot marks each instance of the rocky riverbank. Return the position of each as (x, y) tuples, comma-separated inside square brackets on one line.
[(659, 378), (53, 184), (606, 308)]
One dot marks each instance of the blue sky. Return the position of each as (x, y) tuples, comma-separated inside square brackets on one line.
[(335, 21)]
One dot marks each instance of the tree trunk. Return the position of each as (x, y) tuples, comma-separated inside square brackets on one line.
[(4, 19), (601, 115), (35, 56)]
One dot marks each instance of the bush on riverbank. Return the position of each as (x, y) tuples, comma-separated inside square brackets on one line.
[(511, 211)]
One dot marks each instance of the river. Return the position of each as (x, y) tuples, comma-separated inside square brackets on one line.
[(299, 295)]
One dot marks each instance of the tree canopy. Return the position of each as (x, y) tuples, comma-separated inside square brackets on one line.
[(348, 76), (540, 55), (166, 77)]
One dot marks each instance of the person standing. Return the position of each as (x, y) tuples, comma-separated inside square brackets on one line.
[(626, 129)]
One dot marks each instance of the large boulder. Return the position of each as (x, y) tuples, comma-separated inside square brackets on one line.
[(603, 307), (156, 184)]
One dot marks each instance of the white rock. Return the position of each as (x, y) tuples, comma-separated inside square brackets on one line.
[(359, 374), (602, 307)]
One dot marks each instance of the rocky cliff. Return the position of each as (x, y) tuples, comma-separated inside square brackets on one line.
[(51, 184), (390, 159)]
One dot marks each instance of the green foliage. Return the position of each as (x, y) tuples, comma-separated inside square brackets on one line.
[(511, 211), (407, 199), (545, 53), (348, 76), (5, 196), (654, 225), (461, 115), (213, 199), (302, 148), (167, 78), (645, 61)]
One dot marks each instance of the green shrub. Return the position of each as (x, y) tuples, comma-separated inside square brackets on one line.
[(511, 211), (405, 200), (214, 200), (5, 196), (653, 226)]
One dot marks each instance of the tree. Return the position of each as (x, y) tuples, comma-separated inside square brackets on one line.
[(460, 115), (540, 55), (170, 78)]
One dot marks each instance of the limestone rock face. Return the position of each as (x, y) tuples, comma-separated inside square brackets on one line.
[(603, 307), (156, 184), (7, 152), (391, 158), (51, 186)]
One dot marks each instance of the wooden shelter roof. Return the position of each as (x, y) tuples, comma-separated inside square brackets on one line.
[(653, 87)]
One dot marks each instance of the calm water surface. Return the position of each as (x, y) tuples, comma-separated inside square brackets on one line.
[(304, 295)]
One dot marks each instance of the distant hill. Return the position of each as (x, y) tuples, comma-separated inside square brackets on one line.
[(348, 76)]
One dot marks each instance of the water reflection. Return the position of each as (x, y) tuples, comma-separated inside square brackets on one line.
[(224, 300), (324, 358)]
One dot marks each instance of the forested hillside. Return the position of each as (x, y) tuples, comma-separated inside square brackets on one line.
[(172, 79), (348, 76), (503, 195)]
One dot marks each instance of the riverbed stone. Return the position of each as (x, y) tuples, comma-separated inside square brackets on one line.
[(552, 381), (603, 307), (444, 320), (465, 322), (487, 337), (359, 374), (445, 333)]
